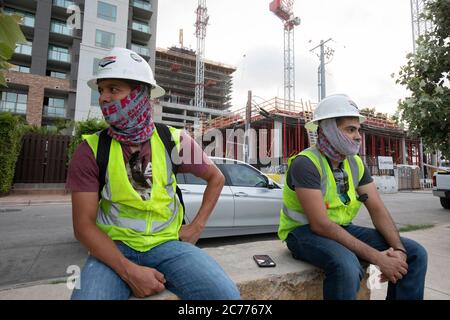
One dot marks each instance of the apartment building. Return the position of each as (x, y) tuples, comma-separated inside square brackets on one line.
[(52, 68)]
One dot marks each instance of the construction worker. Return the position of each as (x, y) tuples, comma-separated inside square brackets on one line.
[(133, 233), (325, 187)]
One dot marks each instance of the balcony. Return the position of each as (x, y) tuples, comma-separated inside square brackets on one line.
[(141, 50), (54, 112), (60, 8), (141, 9), (24, 48), (58, 57), (140, 31), (63, 3), (60, 32), (27, 18)]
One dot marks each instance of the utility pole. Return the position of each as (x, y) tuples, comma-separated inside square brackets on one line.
[(321, 71)]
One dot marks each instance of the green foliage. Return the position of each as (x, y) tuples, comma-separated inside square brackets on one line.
[(59, 125), (426, 75), (85, 127), (12, 130), (10, 35)]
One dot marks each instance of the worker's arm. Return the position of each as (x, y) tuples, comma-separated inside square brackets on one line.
[(313, 204), (143, 281), (215, 181), (380, 216)]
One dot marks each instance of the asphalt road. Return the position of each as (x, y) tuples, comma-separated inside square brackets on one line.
[(37, 243)]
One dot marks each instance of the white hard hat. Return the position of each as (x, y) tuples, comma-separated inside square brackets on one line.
[(122, 63), (334, 106)]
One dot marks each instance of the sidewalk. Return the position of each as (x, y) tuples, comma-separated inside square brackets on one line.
[(33, 199)]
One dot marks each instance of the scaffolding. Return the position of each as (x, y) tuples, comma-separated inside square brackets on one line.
[(381, 136)]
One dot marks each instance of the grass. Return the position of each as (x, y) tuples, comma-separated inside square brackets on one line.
[(413, 227)]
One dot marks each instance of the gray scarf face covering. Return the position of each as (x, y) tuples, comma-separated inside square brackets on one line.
[(340, 142)]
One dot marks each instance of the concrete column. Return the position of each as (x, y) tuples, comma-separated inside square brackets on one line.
[(157, 112), (40, 38), (277, 139)]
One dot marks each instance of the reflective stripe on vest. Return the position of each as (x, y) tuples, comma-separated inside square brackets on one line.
[(112, 217), (294, 215)]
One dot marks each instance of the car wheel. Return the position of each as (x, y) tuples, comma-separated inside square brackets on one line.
[(445, 203)]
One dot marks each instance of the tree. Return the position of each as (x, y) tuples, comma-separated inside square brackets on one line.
[(10, 35), (426, 75)]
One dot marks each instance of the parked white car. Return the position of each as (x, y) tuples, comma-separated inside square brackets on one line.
[(250, 201), (441, 185)]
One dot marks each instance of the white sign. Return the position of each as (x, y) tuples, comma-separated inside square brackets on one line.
[(385, 163)]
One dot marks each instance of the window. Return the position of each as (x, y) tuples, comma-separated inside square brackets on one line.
[(106, 11), (244, 176), (191, 179), (95, 66), (28, 18), (94, 97), (56, 74), (60, 27), (180, 178), (141, 50), (63, 3), (24, 48), (23, 69), (58, 53), (140, 26), (104, 39), (142, 4), (55, 107), (13, 102)]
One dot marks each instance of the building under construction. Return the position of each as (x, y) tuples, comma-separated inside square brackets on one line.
[(175, 72), (280, 133)]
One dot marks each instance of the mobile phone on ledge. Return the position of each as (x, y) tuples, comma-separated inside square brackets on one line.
[(263, 260)]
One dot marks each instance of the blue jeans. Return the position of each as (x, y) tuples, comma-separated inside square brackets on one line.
[(343, 270), (190, 273)]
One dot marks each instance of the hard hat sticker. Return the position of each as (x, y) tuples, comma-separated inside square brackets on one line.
[(135, 57), (106, 61)]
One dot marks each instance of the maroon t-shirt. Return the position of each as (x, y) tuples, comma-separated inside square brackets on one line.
[(83, 172)]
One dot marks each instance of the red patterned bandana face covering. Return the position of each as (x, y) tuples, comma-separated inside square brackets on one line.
[(130, 119)]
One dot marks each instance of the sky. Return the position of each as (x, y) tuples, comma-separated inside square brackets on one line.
[(370, 40)]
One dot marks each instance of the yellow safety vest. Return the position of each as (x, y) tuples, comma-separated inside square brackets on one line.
[(292, 214), (123, 215)]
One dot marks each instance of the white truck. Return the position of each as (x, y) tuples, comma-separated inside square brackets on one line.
[(441, 185)]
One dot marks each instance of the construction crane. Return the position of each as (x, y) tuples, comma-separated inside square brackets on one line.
[(200, 33), (420, 25), (283, 9)]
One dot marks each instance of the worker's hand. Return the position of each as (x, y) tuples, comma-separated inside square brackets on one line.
[(392, 266), (144, 281), (190, 232)]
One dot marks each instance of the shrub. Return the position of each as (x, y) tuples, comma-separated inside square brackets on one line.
[(12, 130), (85, 127)]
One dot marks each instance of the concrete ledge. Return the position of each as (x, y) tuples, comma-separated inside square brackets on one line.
[(289, 280)]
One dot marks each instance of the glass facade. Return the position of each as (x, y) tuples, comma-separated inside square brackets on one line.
[(58, 53), (60, 27), (141, 50), (142, 4), (63, 3), (54, 107), (13, 102), (27, 18), (19, 68), (24, 48), (140, 26)]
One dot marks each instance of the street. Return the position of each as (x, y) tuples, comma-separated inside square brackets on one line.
[(37, 242)]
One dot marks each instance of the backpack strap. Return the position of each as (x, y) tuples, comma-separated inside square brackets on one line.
[(102, 157), (169, 144)]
